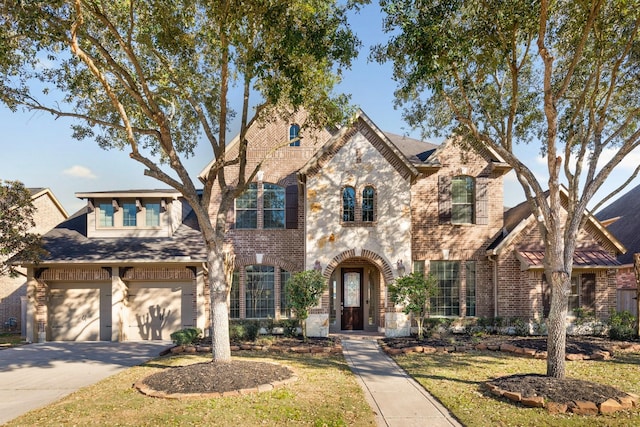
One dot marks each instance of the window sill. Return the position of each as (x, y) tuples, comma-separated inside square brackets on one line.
[(359, 224)]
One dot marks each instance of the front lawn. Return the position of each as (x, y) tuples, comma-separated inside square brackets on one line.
[(326, 394), (456, 379)]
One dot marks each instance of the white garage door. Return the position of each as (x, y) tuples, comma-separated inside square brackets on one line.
[(74, 314), (156, 310)]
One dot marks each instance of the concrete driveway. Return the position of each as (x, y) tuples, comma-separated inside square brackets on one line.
[(34, 375)]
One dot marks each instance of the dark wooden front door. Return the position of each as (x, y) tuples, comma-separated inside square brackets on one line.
[(352, 317)]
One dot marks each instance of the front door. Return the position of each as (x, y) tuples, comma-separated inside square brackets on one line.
[(352, 316)]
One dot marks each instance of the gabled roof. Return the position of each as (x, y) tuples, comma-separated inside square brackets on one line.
[(68, 244), (624, 217), (518, 218), (363, 124), (41, 191)]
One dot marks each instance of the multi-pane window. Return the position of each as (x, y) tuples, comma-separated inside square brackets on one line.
[(470, 274), (105, 217), (294, 133), (247, 208), (446, 302), (234, 296), (368, 196), (348, 204), (418, 267), (273, 206), (285, 311), (260, 291), (152, 214), (462, 200), (129, 214)]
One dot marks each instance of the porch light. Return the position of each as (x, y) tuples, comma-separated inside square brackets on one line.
[(317, 266), (400, 267)]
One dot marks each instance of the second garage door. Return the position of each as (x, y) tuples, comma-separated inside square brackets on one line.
[(156, 310)]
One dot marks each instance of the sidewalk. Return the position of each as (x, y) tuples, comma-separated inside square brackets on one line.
[(395, 397)]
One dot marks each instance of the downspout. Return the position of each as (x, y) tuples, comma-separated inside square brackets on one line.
[(494, 262)]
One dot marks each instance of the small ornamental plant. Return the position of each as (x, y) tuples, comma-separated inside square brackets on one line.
[(414, 292), (304, 290)]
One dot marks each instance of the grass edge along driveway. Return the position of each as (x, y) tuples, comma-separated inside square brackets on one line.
[(326, 394)]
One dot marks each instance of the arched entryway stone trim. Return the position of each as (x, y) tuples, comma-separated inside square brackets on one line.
[(371, 256)]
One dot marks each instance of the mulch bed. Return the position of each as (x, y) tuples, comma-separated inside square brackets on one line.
[(217, 377), (228, 377)]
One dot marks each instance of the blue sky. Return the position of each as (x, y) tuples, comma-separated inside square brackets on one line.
[(40, 152)]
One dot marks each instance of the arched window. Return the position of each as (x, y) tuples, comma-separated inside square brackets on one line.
[(348, 204), (462, 199), (294, 133), (368, 197)]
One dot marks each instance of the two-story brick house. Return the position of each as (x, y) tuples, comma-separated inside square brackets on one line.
[(360, 205)]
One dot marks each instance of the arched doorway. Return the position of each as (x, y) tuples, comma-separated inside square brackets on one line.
[(357, 292)]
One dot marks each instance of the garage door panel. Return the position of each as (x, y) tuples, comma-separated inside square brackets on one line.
[(155, 311), (75, 314)]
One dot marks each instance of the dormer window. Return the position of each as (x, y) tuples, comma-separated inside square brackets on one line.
[(129, 214), (105, 216), (152, 214), (294, 135)]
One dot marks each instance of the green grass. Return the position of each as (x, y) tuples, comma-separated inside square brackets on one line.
[(326, 394), (457, 381), (10, 340)]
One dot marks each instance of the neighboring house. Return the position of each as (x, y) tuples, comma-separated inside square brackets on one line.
[(622, 219), (360, 205), (48, 213)]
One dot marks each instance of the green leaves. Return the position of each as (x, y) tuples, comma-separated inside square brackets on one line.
[(16, 221), (304, 290), (414, 292)]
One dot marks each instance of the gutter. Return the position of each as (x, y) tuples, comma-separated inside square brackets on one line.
[(494, 262)]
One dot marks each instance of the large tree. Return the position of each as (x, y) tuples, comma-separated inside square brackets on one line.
[(156, 77), (16, 223), (562, 74)]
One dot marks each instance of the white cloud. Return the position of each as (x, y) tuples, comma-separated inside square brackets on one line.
[(79, 172)]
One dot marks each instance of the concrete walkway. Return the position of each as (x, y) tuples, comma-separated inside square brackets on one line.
[(35, 375), (395, 397)]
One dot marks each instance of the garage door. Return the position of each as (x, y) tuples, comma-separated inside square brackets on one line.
[(74, 314), (157, 310)]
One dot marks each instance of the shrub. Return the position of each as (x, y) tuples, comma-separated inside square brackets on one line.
[(622, 326), (244, 330), (186, 336)]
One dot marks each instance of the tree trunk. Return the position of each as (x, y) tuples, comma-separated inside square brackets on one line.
[(636, 268), (220, 345), (557, 324)]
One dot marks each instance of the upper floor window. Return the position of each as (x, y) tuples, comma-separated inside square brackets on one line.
[(273, 206), (368, 197), (129, 214), (105, 218), (247, 208), (348, 204), (267, 206), (462, 200), (294, 135), (152, 214)]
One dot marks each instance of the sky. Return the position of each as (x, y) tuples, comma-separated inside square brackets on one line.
[(40, 151)]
